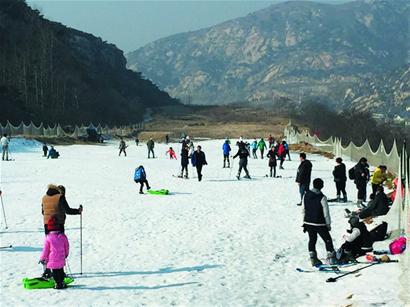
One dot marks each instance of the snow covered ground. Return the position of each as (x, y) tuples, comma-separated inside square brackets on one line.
[(219, 242)]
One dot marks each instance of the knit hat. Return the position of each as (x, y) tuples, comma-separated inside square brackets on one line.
[(52, 224), (318, 183)]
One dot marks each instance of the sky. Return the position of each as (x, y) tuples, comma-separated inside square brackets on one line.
[(134, 23)]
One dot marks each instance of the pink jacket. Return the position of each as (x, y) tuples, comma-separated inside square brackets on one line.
[(55, 250)]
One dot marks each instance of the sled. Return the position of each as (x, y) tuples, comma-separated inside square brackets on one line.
[(43, 283), (158, 192)]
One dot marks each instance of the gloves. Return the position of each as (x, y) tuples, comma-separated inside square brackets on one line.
[(43, 262), (80, 209), (329, 227)]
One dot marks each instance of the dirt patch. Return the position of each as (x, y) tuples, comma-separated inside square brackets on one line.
[(307, 148)]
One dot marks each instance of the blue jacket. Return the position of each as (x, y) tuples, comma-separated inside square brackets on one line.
[(139, 174), (226, 149), (254, 145)]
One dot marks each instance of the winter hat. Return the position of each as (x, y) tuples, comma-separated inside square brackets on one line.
[(353, 221), (52, 224), (339, 160), (318, 183)]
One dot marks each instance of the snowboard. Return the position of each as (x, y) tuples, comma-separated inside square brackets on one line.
[(42, 283), (158, 192)]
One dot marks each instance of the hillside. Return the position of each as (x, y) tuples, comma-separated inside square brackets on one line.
[(52, 73), (286, 50)]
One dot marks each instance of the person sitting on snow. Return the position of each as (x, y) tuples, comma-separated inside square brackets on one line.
[(140, 176), (357, 243), (378, 205), (52, 153)]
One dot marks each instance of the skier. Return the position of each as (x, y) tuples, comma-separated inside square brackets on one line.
[(281, 154), (271, 140), (184, 161), (52, 153), (286, 146), (316, 221), (243, 155), (339, 175), (226, 148), (166, 139), (198, 161), (150, 147), (140, 176), (303, 175), (379, 176), (55, 251), (262, 146), (45, 150), (5, 146), (361, 177), (122, 147), (254, 147), (357, 243), (272, 161), (137, 141), (171, 153)]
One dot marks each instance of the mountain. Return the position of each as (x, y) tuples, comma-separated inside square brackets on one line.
[(52, 73), (289, 49)]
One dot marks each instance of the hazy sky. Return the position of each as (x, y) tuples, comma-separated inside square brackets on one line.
[(134, 23)]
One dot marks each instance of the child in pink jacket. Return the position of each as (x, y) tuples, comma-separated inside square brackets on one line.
[(55, 251), (172, 154)]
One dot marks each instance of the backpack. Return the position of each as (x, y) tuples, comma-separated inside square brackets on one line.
[(398, 246), (139, 174), (351, 174)]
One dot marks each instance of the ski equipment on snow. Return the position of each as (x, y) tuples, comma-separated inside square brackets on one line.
[(158, 192), (43, 283)]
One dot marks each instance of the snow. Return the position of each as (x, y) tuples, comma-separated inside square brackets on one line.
[(219, 242)]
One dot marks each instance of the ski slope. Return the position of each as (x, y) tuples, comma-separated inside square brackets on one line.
[(219, 242)]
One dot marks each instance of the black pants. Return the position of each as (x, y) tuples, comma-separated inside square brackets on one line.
[(355, 248), (361, 191), (254, 154), (243, 165), (184, 167), (226, 159), (323, 232), (45, 153), (262, 151), (141, 182), (374, 188), (151, 150), (199, 171), (287, 152), (58, 276), (273, 168), (122, 150), (341, 188)]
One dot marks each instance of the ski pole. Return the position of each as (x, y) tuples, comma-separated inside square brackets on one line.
[(81, 242), (4, 212)]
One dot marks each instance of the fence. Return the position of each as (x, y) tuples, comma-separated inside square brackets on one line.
[(32, 130), (398, 218)]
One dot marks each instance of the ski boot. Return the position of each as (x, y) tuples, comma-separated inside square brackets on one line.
[(247, 176), (314, 260), (60, 285), (338, 199), (344, 199), (331, 258), (348, 256), (47, 274), (360, 203), (141, 192), (238, 177)]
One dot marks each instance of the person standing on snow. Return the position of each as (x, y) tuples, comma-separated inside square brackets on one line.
[(122, 147), (262, 146), (286, 146), (272, 161), (316, 221), (184, 161), (140, 176), (281, 154), (340, 178), (226, 148), (171, 153), (254, 147), (5, 146), (137, 141), (166, 139), (45, 150), (150, 147), (198, 161), (303, 175), (271, 140), (361, 178), (243, 155)]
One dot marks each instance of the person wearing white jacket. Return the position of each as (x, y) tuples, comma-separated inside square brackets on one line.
[(5, 146)]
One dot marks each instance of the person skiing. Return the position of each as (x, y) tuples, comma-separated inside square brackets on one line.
[(184, 161), (171, 153), (54, 204), (198, 161), (140, 176), (270, 140), (272, 161), (281, 154), (361, 177), (243, 155), (55, 251), (52, 153), (357, 243), (303, 175), (150, 147), (5, 146), (226, 148), (262, 146), (45, 150), (122, 147), (254, 147), (316, 221), (339, 175)]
